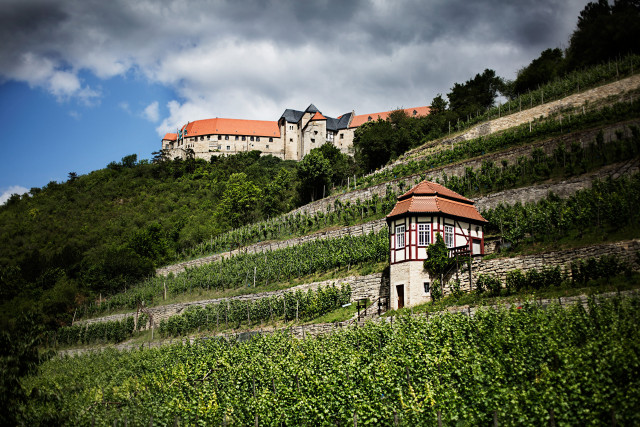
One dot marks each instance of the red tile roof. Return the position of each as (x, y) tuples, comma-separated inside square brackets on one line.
[(411, 112), (170, 137), (429, 197), (428, 188), (318, 116), (232, 127)]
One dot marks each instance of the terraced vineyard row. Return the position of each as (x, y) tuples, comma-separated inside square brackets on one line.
[(555, 365)]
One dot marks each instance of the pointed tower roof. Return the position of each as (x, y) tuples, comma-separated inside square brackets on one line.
[(430, 197), (311, 109)]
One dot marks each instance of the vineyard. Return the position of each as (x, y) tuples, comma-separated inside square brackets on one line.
[(607, 207), (257, 269), (571, 161), (290, 306), (524, 365)]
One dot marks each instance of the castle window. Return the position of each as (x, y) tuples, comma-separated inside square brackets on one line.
[(424, 235), (202, 138), (219, 137), (426, 287), (244, 138), (251, 138), (237, 137), (415, 113), (313, 140), (228, 147), (369, 119), (400, 237), (315, 132), (270, 139), (290, 127), (257, 138), (267, 146), (208, 137), (226, 137), (341, 136), (290, 139), (448, 236)]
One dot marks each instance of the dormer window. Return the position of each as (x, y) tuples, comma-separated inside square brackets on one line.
[(415, 113), (258, 138)]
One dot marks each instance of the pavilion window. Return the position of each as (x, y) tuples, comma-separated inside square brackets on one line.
[(400, 237), (448, 236), (424, 234)]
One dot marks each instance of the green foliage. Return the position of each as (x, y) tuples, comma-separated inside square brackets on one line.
[(548, 66), (239, 201), (19, 357), (290, 306), (247, 269), (605, 32), (517, 365), (477, 94), (523, 134), (607, 206), (607, 266), (438, 263), (488, 283)]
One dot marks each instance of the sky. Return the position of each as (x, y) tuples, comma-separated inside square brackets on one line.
[(87, 82)]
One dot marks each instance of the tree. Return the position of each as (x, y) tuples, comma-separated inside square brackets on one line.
[(604, 32), (314, 173), (549, 65), (438, 263), (476, 94), (239, 201), (129, 161), (438, 105)]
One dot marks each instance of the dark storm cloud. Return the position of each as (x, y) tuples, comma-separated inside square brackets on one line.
[(249, 58)]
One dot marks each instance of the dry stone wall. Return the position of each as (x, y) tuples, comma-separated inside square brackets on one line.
[(458, 169), (517, 118), (533, 193), (354, 230), (499, 267), (307, 331), (371, 286)]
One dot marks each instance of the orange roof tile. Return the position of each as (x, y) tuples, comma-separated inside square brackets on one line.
[(318, 116), (429, 197), (232, 127), (411, 112), (170, 137), (428, 188)]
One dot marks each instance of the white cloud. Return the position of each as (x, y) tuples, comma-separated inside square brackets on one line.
[(151, 112), (230, 59), (14, 189), (75, 114)]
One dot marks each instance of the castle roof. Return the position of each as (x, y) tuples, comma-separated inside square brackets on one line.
[(411, 112), (292, 116), (318, 116), (232, 127), (170, 137), (312, 109), (430, 197)]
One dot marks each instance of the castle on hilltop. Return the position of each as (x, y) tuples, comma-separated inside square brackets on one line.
[(292, 137)]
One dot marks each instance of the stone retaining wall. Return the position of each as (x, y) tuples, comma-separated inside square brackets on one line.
[(626, 251), (371, 286), (307, 331), (523, 195), (529, 115)]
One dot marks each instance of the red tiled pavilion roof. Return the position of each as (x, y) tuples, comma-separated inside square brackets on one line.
[(429, 197)]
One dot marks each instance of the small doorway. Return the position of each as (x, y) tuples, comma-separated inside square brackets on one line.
[(400, 292)]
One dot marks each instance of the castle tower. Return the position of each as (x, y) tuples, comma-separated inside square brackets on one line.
[(420, 213)]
